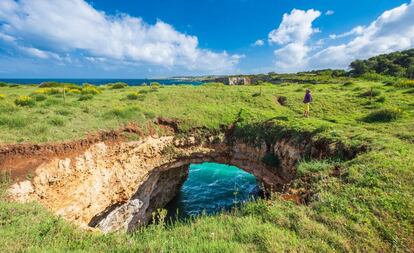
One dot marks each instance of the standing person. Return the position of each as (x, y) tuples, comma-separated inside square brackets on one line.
[(307, 100)]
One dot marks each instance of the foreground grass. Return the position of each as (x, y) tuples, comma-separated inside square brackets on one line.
[(368, 206)]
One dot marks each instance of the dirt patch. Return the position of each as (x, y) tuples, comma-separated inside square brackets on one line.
[(168, 123), (22, 159)]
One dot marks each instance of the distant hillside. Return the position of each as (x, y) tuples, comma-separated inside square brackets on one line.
[(399, 64)]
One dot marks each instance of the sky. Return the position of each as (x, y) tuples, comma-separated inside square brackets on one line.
[(164, 38)]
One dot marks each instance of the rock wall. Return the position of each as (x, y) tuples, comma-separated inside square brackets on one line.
[(116, 186)]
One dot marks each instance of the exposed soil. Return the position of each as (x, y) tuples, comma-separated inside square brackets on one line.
[(20, 160)]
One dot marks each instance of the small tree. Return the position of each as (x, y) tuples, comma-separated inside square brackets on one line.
[(410, 72)]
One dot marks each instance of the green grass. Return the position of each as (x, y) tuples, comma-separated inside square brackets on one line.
[(361, 205)]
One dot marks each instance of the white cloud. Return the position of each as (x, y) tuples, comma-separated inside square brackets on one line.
[(293, 34), (292, 57), (47, 29), (296, 27), (391, 31), (355, 31), (329, 12), (258, 43)]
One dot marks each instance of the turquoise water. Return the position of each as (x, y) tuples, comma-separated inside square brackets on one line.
[(212, 187)]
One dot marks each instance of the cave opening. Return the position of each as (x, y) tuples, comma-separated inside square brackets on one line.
[(211, 188)]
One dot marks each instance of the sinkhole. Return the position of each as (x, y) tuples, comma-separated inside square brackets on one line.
[(211, 188)]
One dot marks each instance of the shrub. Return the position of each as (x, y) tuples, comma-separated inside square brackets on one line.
[(133, 96), (405, 84), (155, 86), (119, 85), (143, 92), (85, 97), (348, 84), (383, 115), (90, 90), (14, 86), (48, 84), (24, 101), (282, 100), (58, 85), (39, 97), (74, 91), (371, 93), (49, 91), (3, 84), (380, 100), (2, 96)]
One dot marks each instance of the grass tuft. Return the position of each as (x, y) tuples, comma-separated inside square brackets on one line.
[(383, 115)]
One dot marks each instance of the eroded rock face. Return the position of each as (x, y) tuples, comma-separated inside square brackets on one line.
[(116, 187)]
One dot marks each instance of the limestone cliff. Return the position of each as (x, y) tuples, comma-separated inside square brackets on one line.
[(116, 186)]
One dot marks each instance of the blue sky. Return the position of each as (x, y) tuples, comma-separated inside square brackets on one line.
[(160, 38)]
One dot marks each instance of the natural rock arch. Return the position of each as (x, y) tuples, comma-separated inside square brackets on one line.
[(116, 186)]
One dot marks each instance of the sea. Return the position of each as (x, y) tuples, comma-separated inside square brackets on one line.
[(131, 82), (212, 188)]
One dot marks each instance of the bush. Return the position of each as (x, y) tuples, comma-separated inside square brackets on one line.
[(90, 90), (24, 101), (119, 85), (143, 92), (371, 93), (380, 100), (39, 97), (85, 97), (405, 84), (2, 96), (74, 91), (282, 100), (49, 91), (3, 84), (383, 115), (134, 96)]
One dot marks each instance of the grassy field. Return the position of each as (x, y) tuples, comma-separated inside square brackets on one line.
[(368, 207)]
